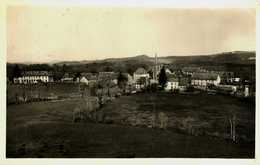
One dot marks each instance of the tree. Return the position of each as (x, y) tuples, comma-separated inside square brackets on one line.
[(17, 72), (232, 121), (162, 78), (64, 68), (105, 83), (150, 72), (57, 72), (108, 69), (77, 75), (130, 69), (122, 81)]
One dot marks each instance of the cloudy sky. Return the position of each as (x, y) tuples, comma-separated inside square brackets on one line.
[(45, 34)]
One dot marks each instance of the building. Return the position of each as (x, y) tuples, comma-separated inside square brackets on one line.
[(91, 77), (205, 79), (83, 80), (190, 70), (184, 82), (156, 70), (140, 72), (33, 77), (140, 78), (67, 78), (172, 83), (86, 78), (227, 77)]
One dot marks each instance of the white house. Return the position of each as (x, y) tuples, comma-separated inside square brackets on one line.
[(32, 77), (140, 74), (88, 78), (204, 79), (83, 80), (172, 83)]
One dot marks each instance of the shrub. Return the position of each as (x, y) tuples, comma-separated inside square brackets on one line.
[(78, 115), (160, 120)]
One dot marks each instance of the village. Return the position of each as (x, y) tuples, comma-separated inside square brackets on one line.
[(187, 79)]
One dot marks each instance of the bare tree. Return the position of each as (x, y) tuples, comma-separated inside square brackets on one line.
[(232, 121), (77, 115), (163, 119)]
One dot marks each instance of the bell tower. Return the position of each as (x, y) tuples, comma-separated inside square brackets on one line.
[(155, 67)]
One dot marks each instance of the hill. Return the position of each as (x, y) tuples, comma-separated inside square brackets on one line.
[(232, 61), (237, 57)]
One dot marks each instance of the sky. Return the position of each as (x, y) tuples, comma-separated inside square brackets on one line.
[(53, 33)]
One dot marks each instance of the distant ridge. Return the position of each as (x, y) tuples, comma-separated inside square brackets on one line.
[(225, 57), (135, 58), (241, 57)]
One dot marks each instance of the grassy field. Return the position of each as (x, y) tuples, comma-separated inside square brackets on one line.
[(45, 129), (57, 90), (40, 90), (200, 114)]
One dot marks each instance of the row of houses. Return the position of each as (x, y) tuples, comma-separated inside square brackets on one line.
[(199, 78), (180, 80), (32, 77), (175, 79)]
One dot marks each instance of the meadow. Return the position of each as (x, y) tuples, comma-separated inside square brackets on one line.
[(199, 114), (45, 129), (60, 90)]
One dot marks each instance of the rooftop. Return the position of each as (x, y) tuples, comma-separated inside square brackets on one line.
[(205, 76), (36, 73), (140, 71)]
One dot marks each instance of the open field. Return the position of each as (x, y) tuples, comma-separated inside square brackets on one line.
[(200, 114), (16, 93), (45, 129), (40, 90)]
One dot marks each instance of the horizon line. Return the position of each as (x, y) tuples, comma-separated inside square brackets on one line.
[(60, 61)]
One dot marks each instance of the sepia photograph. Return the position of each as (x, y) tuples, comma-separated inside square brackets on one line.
[(130, 82)]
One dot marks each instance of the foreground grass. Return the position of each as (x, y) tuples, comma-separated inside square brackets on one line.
[(50, 139), (44, 129)]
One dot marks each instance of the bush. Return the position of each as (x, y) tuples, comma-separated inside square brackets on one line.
[(160, 120)]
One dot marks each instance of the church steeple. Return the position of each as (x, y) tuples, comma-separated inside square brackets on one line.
[(155, 67)]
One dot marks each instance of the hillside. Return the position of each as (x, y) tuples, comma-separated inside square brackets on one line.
[(236, 61), (139, 58), (238, 57)]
